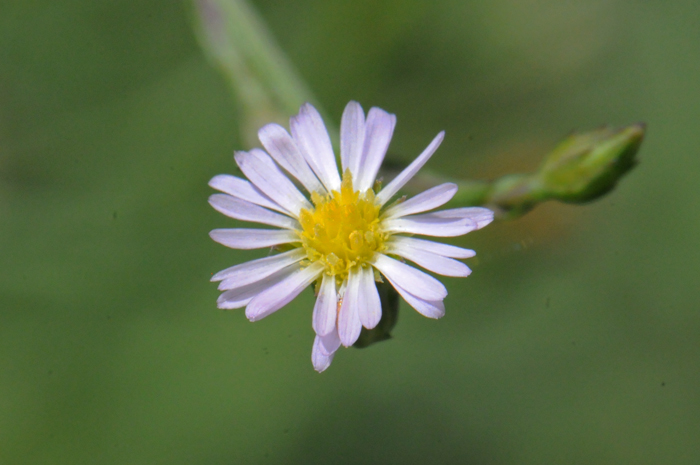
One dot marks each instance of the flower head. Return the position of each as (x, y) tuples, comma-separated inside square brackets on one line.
[(343, 235)]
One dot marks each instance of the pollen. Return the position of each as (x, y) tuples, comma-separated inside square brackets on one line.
[(343, 229)]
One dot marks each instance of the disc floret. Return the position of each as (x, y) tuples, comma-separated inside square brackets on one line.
[(343, 229)]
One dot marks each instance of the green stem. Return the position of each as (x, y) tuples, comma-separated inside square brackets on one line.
[(238, 42)]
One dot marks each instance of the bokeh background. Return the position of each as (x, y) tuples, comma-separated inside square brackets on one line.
[(575, 341)]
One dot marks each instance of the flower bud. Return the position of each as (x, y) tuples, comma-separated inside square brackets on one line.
[(586, 166)]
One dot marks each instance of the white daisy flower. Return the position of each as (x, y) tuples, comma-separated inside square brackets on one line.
[(343, 236)]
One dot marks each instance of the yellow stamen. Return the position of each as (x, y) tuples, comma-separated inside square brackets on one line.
[(343, 229)]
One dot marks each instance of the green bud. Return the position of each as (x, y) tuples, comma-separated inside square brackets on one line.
[(586, 166), (583, 167)]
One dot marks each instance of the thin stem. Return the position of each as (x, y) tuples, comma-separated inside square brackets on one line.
[(238, 42)]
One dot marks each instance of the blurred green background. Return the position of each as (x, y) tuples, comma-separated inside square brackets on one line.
[(575, 341)]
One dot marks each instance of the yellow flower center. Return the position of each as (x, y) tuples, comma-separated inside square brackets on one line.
[(343, 229)]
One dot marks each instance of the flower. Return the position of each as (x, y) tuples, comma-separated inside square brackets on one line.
[(343, 235)]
